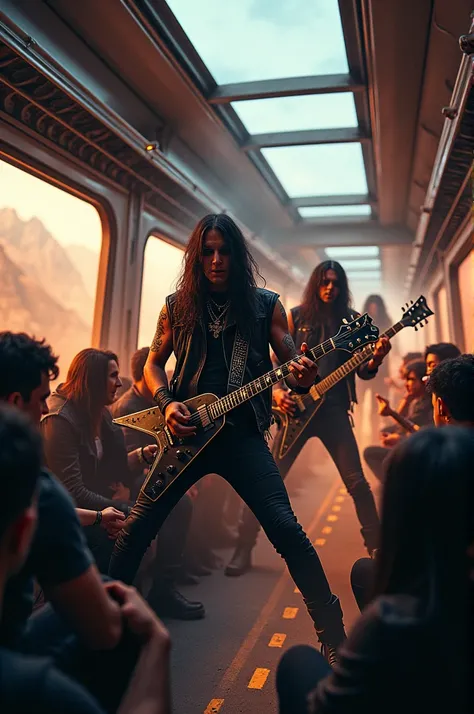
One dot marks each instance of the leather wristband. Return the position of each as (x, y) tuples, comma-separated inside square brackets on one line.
[(98, 518), (300, 390), (162, 397)]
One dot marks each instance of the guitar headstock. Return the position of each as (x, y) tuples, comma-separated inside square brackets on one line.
[(416, 313), (353, 335)]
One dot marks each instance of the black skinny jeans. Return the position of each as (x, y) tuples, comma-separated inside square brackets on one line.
[(331, 424), (242, 457)]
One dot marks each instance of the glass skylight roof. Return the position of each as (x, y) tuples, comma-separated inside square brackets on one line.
[(356, 251), (319, 170), (330, 211), (311, 111), (363, 264), (264, 39)]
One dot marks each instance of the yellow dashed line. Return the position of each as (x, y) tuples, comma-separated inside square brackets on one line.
[(326, 530), (339, 499), (336, 508), (259, 678), (320, 541), (214, 706), (332, 518), (277, 640), (289, 613)]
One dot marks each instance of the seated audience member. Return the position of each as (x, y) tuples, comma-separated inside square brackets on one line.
[(86, 451), (174, 533), (395, 659), (399, 385), (59, 558), (33, 684), (451, 386), (416, 406), (435, 354)]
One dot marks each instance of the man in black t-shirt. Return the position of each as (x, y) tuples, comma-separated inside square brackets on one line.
[(30, 685)]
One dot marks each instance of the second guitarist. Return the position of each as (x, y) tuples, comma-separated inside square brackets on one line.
[(326, 301)]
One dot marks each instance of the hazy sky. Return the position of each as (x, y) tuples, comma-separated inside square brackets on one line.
[(69, 219)]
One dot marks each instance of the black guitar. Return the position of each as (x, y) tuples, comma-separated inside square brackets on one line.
[(308, 404), (208, 411)]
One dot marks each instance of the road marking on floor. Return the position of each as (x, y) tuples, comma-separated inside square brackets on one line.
[(259, 678), (326, 530), (339, 499), (320, 541), (332, 518), (247, 646), (336, 508), (214, 706), (289, 613), (277, 640)]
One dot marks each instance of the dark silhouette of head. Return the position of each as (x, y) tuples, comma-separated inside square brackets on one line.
[(451, 385), (429, 477), (313, 306), (377, 310), (138, 361), (240, 283)]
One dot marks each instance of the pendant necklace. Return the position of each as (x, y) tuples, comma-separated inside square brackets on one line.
[(217, 322)]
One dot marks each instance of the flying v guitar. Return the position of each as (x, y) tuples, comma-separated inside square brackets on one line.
[(208, 411), (308, 404)]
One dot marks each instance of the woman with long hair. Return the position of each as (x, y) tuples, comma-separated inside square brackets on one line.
[(396, 657)]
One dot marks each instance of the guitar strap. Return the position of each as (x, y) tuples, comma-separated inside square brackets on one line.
[(238, 362)]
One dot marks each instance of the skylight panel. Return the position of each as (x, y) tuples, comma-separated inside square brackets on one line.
[(363, 264), (330, 211), (314, 111), (261, 39), (363, 251), (319, 170), (363, 274)]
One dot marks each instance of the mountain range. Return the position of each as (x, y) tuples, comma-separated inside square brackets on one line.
[(42, 292)]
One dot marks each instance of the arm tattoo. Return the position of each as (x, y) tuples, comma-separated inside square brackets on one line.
[(160, 331), (282, 310), (287, 341)]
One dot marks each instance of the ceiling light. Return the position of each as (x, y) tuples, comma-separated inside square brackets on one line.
[(361, 251)]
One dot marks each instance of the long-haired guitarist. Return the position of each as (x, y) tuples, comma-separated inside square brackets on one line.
[(326, 301), (219, 324)]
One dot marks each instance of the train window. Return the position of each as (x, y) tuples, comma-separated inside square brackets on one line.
[(162, 265), (50, 244), (442, 315), (466, 295)]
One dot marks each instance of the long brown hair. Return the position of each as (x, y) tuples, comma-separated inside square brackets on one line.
[(312, 307), (192, 286), (86, 383)]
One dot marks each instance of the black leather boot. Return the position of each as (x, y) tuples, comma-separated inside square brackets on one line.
[(167, 601), (241, 561), (329, 626)]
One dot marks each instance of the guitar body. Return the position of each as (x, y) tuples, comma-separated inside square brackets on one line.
[(174, 454), (291, 427)]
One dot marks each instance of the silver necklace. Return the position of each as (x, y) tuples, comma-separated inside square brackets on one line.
[(217, 322)]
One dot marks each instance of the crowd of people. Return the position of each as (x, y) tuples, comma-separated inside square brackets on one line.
[(77, 514)]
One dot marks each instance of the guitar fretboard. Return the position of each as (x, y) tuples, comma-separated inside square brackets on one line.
[(241, 395), (317, 390)]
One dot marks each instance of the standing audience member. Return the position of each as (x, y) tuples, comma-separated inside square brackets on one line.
[(32, 684), (395, 659), (87, 452), (417, 409)]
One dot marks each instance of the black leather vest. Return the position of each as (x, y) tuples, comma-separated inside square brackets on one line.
[(313, 335), (190, 350)]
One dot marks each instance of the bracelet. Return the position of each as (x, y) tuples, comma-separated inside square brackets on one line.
[(98, 518), (141, 457), (162, 397)]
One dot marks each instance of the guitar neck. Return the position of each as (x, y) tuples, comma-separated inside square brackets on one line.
[(241, 395), (405, 423), (317, 390)]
